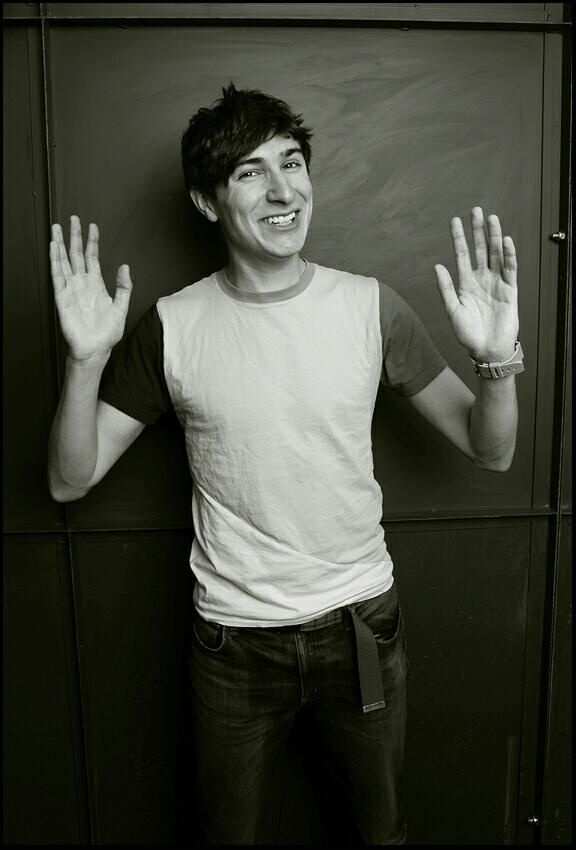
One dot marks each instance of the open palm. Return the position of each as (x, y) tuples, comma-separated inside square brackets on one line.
[(92, 322), (484, 310)]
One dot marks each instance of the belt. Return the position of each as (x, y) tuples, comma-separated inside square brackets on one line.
[(367, 660)]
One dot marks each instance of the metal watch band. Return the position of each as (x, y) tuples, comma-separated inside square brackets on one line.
[(513, 366)]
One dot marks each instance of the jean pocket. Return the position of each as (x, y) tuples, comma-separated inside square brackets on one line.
[(383, 616), (210, 636)]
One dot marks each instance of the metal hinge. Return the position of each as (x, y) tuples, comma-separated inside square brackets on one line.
[(560, 236), (533, 820)]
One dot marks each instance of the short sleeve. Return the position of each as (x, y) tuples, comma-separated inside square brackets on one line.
[(410, 360), (133, 380)]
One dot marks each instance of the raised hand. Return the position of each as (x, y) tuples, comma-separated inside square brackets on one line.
[(484, 309), (92, 322)]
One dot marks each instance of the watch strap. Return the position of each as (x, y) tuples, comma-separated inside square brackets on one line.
[(513, 366)]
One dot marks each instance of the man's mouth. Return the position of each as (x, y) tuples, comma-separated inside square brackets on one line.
[(281, 220)]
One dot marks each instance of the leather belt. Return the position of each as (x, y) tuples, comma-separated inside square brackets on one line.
[(368, 662)]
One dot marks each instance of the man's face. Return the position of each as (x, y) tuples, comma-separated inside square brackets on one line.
[(265, 208)]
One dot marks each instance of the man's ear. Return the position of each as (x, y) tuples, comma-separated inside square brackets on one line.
[(204, 204)]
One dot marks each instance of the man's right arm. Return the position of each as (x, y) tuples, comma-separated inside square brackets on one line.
[(88, 435)]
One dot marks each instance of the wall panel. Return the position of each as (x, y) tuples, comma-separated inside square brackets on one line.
[(132, 598), (466, 645), (29, 390), (44, 772), (567, 459), (461, 12), (558, 788), (20, 10)]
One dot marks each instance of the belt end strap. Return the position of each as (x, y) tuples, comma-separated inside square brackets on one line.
[(373, 706), (368, 662)]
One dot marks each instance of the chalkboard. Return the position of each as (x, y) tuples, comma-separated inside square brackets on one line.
[(410, 128)]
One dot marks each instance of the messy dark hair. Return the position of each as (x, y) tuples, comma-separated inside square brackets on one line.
[(220, 137)]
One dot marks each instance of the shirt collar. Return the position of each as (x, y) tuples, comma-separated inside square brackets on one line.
[(266, 297)]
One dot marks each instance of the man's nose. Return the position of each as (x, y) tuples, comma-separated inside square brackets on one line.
[(279, 188)]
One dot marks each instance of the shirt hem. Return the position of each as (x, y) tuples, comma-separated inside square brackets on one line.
[(363, 596)]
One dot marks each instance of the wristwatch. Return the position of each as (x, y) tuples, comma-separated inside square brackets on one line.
[(513, 366)]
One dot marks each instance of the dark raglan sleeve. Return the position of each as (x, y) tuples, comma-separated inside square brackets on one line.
[(410, 360), (133, 380)]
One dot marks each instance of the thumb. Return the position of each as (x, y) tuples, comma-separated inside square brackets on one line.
[(446, 289), (123, 287)]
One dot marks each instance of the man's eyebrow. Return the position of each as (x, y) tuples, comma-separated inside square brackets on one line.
[(291, 152), (258, 160)]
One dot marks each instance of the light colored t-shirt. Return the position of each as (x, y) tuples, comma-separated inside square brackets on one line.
[(275, 393)]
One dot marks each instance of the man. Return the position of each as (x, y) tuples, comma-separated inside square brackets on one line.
[(272, 365)]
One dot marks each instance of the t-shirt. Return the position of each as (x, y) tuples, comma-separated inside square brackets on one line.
[(275, 392)]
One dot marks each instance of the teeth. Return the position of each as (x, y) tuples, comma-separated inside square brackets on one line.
[(280, 219)]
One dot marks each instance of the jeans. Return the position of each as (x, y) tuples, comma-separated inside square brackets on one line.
[(248, 685)]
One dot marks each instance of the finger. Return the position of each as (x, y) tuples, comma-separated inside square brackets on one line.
[(92, 262), (58, 278), (123, 288), (76, 252), (460, 247), (64, 262), (479, 238), (56, 233), (58, 238), (446, 289), (510, 267), (495, 243)]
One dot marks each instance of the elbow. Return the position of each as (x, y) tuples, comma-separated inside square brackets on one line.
[(494, 458), (494, 467), (62, 492), (62, 496), (501, 464)]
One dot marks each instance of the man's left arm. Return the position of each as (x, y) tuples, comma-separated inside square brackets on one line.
[(481, 426), (484, 316)]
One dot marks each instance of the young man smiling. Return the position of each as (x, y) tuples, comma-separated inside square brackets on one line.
[(264, 211), (272, 365)]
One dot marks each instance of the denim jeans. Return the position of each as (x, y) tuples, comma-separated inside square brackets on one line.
[(248, 685)]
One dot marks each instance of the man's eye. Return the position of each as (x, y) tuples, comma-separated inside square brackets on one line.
[(293, 164), (246, 174)]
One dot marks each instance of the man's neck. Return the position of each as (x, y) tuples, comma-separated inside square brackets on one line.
[(264, 277)]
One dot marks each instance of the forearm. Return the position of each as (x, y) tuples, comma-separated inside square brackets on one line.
[(73, 449), (493, 423)]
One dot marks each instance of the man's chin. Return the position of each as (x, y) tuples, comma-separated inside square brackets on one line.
[(284, 252)]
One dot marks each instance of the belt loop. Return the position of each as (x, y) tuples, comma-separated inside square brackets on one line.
[(368, 662)]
